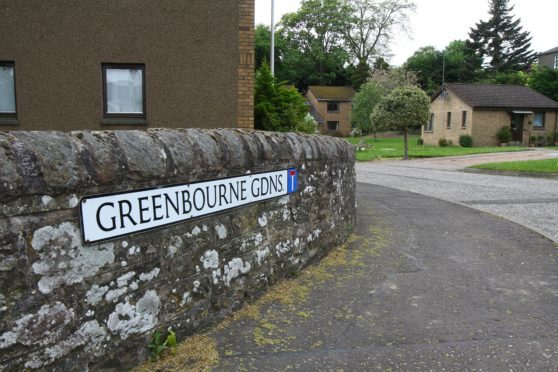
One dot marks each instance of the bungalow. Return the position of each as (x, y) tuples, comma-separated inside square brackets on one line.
[(331, 107), (480, 110)]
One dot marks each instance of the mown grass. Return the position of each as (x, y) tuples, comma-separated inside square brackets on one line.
[(392, 147), (547, 166)]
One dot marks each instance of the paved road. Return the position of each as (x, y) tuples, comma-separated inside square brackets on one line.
[(423, 285), (531, 202)]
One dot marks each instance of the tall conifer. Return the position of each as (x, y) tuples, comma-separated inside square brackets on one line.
[(501, 40)]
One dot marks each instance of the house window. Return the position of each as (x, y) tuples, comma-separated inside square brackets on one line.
[(332, 107), (464, 119), (123, 91), (430, 125), (448, 125), (7, 89), (333, 126), (538, 120), (556, 61)]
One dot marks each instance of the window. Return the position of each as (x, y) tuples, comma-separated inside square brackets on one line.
[(7, 90), (556, 61), (448, 125), (332, 107), (123, 91), (464, 120), (333, 126), (538, 120), (430, 125)]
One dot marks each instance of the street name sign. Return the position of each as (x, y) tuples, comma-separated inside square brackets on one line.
[(105, 217)]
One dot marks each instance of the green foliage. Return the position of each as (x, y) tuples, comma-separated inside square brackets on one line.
[(364, 102), (465, 140), (157, 346), (380, 83), (504, 134), (403, 108), (277, 107), (420, 141), (545, 81), (307, 125), (263, 48), (501, 39), (314, 40), (461, 65), (442, 142)]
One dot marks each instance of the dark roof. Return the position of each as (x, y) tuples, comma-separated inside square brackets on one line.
[(324, 93), (315, 114), (550, 51), (500, 96)]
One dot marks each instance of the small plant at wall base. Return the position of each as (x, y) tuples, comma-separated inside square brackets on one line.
[(504, 135), (158, 346), (552, 139), (420, 141), (442, 142), (465, 141)]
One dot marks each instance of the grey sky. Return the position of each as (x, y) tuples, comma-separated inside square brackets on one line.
[(437, 22)]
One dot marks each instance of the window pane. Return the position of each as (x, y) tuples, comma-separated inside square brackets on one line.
[(7, 90), (124, 91), (538, 120), (333, 125)]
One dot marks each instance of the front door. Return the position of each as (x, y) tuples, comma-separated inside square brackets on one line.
[(517, 128)]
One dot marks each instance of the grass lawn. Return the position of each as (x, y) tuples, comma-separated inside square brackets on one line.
[(549, 166), (393, 148)]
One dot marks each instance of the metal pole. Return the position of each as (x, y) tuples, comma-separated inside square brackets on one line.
[(272, 56)]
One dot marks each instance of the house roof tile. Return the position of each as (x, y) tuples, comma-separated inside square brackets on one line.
[(500, 96), (326, 93)]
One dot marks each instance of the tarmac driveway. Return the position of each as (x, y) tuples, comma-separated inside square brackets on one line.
[(531, 202)]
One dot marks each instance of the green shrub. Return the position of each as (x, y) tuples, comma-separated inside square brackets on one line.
[(442, 142), (420, 141), (465, 140), (540, 140), (504, 135), (307, 125), (450, 142), (533, 140)]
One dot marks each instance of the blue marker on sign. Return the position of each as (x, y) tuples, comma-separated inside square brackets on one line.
[(292, 180)]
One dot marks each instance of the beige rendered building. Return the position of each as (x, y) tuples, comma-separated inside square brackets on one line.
[(90, 64), (480, 110), (331, 107)]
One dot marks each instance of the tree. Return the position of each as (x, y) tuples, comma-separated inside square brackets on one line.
[(501, 40), (404, 108), (545, 81), (314, 43), (263, 47), (380, 83), (461, 65), (278, 107), (371, 25)]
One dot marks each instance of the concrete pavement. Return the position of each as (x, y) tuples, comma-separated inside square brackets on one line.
[(423, 284), (531, 202)]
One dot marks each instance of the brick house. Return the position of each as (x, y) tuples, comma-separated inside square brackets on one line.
[(331, 107), (126, 64), (480, 110), (549, 58)]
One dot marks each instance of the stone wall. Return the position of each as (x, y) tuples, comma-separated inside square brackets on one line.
[(65, 305)]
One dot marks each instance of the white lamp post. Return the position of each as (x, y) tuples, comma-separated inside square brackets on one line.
[(272, 56)]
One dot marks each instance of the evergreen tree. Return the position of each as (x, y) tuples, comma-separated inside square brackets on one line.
[(502, 40)]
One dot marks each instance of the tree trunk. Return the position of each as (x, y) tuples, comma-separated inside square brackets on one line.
[(405, 145)]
